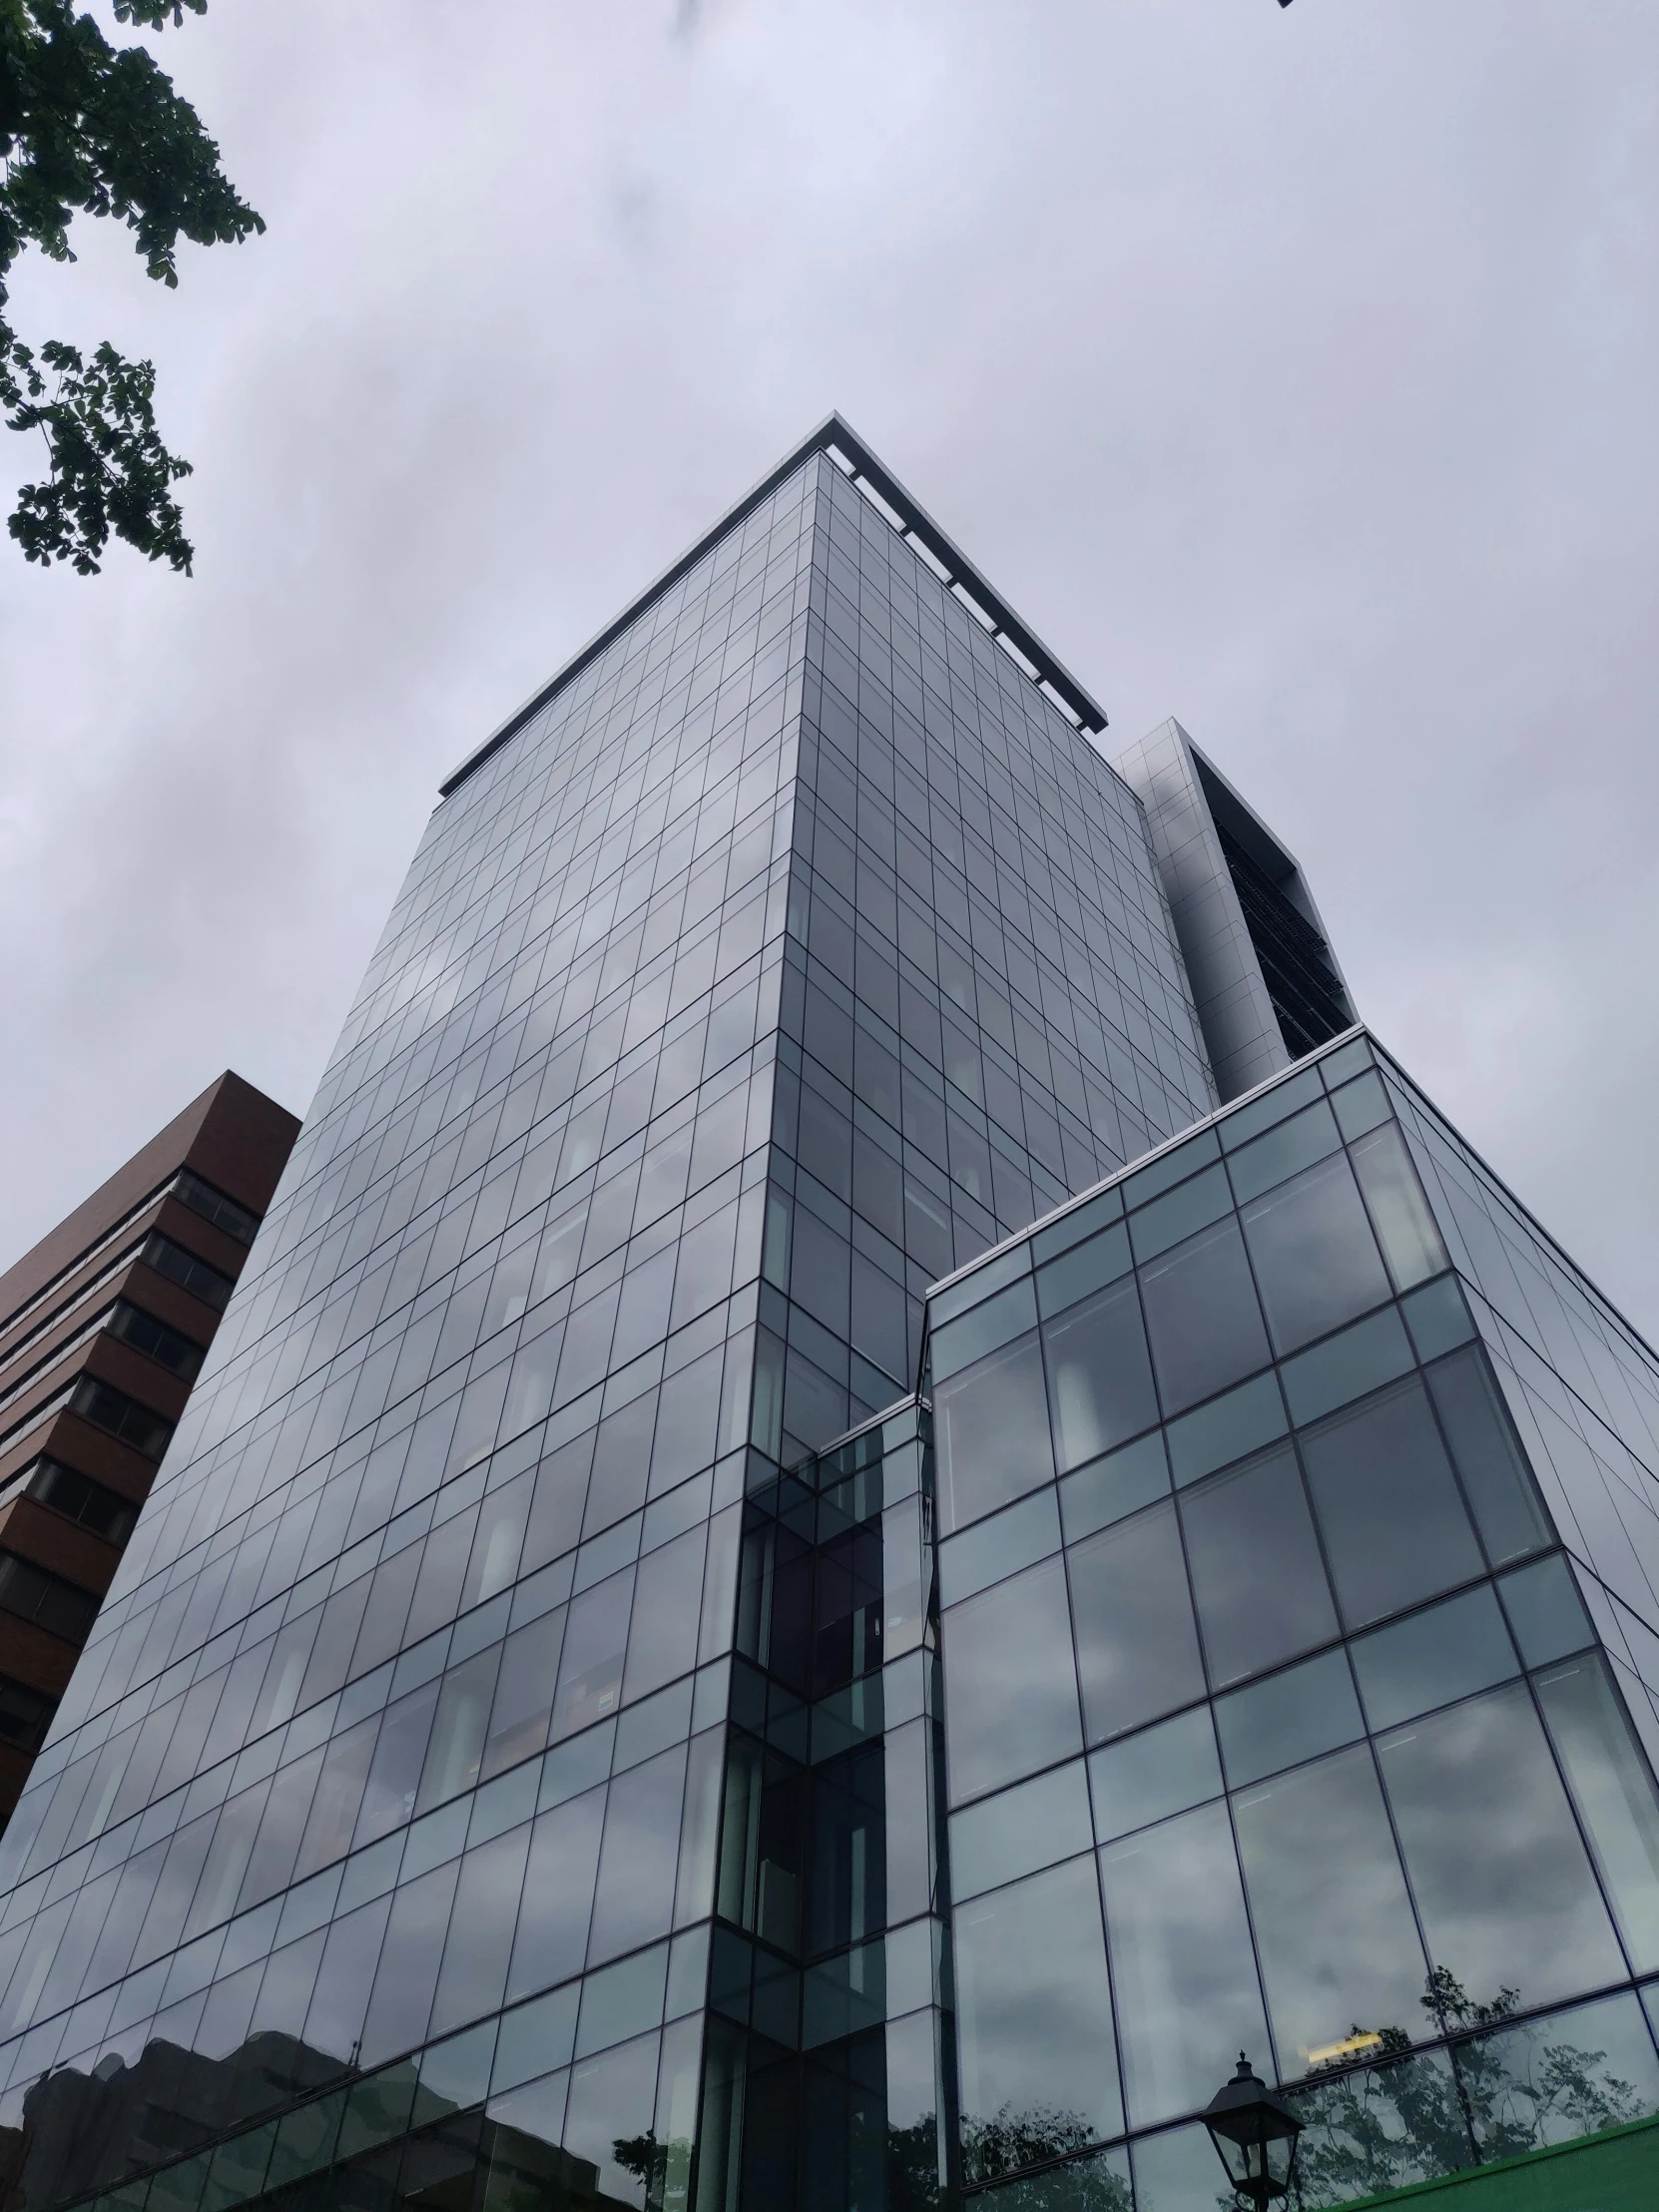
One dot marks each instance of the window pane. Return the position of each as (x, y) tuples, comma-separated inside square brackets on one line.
[(1611, 1787), (1316, 1259), (1203, 1199), (1288, 1718), (1202, 1316), (1283, 1150), (1349, 1365), (1338, 1946), (1099, 1376), (1506, 1892), (1393, 1524), (1229, 1427), (1181, 1964), (1256, 1571), (1567, 2075), (1445, 1652), (474, 1972), (1011, 1700), (1176, 2172), (991, 1430), (409, 1971), (459, 1731), (1546, 1613), (394, 1773), (1161, 1770), (635, 1897), (1507, 1509), (1035, 1824), (661, 1642), (1117, 1485), (1381, 2127), (992, 1549), (523, 1693), (552, 1936), (1034, 2020), (1398, 1211), (1137, 1648), (985, 1329), (1085, 1268), (613, 2101), (590, 1668)]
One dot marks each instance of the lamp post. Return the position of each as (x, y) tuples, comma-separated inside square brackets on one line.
[(1255, 2136)]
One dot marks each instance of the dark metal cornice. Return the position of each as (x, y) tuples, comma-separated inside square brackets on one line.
[(835, 438)]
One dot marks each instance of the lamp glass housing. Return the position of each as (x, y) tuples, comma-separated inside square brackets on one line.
[(1255, 2136)]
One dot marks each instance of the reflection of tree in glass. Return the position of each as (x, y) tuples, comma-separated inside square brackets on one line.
[(1406, 2117), (662, 2167), (1011, 2141), (913, 2166)]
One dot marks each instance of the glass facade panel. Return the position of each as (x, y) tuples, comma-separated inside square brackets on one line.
[(991, 1433), (1137, 1646), (1255, 1567), (1182, 1961), (1015, 1710), (1613, 1792), (1332, 1920), (1502, 1882), (1038, 2064), (1314, 1257), (1445, 1652), (1161, 1770), (1388, 1508), (1505, 1499), (1202, 1316), (1100, 1378)]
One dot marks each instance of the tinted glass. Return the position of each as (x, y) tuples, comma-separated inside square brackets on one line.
[(1445, 1652), (1035, 1824), (1405, 1226), (991, 1549), (1034, 2017), (1545, 1612), (1513, 2081), (1181, 1962), (1112, 1487), (1288, 1718), (990, 1429), (1316, 1260), (1099, 1376), (1497, 1480), (1202, 1316), (1161, 1770), (1614, 1794), (1137, 1650), (1394, 1528), (1285, 1151), (1502, 1883), (1255, 1567), (1014, 1702), (1338, 1946)]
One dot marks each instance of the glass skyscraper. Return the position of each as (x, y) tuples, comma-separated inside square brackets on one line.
[(577, 1725)]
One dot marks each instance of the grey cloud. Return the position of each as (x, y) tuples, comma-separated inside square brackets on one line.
[(1290, 371)]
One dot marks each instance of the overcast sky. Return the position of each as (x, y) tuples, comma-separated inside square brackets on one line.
[(1292, 371)]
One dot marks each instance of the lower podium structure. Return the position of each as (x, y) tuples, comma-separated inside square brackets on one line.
[(801, 1579)]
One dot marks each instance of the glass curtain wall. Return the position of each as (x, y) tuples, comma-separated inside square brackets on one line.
[(391, 1780), (792, 950), (1274, 1713), (984, 1004), (829, 1961)]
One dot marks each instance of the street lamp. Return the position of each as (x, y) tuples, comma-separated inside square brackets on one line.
[(1255, 2136)]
